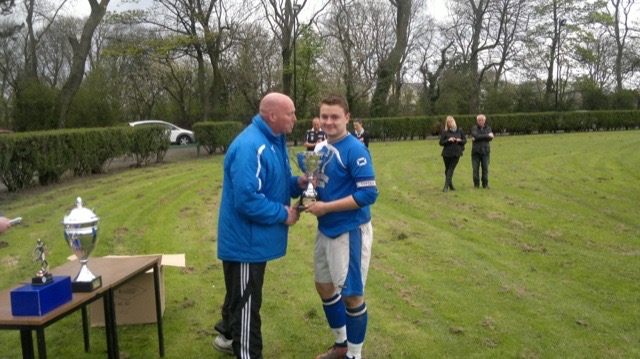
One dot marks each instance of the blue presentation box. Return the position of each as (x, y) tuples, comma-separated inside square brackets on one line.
[(40, 299)]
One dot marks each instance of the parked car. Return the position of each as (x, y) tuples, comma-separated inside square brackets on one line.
[(5, 131), (178, 136)]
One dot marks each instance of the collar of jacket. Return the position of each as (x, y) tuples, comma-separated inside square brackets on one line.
[(259, 122)]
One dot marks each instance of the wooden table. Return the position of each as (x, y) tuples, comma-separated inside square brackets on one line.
[(115, 272)]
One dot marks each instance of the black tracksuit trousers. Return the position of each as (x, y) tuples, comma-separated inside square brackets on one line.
[(241, 309)]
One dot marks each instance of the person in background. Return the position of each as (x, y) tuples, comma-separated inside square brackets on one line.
[(481, 136), (452, 141), (254, 220), (346, 190), (5, 223), (360, 133), (314, 135)]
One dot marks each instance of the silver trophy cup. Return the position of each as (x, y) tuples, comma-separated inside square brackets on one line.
[(312, 164), (81, 234)]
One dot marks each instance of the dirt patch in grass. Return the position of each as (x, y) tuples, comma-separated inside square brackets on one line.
[(10, 261)]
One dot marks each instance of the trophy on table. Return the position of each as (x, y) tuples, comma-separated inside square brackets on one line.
[(312, 164), (44, 293), (81, 234), (38, 255)]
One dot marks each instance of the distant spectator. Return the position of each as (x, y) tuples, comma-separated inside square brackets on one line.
[(481, 136), (452, 141), (314, 136), (360, 133)]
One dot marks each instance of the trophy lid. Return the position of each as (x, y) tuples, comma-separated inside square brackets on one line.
[(80, 215)]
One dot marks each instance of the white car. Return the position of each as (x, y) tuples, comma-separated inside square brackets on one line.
[(178, 136)]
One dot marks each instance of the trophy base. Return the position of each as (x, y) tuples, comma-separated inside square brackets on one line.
[(84, 287), (42, 279), (35, 300), (304, 202)]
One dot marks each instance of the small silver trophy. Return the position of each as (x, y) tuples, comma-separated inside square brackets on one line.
[(81, 234), (38, 255), (312, 163)]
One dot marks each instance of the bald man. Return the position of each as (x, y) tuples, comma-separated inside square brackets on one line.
[(254, 220), (314, 135)]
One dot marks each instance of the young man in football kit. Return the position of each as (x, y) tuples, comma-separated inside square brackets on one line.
[(346, 189)]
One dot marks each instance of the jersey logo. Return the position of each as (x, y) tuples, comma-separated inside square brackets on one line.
[(361, 161)]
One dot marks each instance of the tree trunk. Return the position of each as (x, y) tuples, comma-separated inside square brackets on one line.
[(80, 51), (389, 67), (619, 39), (287, 70), (217, 83), (202, 84), (31, 60)]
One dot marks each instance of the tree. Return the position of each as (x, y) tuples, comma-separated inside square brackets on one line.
[(252, 69), (360, 34), (619, 28), (6, 6), (552, 19), (309, 72), (95, 105), (35, 107), (54, 51), (593, 96), (282, 17), (431, 79), (208, 27), (514, 14), (81, 49), (596, 53), (179, 82), (33, 39), (9, 68), (478, 28), (180, 17), (389, 67)]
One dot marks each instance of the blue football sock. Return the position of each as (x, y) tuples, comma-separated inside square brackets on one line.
[(334, 310), (357, 324)]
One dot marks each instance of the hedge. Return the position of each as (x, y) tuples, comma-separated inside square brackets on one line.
[(31, 158), (216, 135), (421, 127)]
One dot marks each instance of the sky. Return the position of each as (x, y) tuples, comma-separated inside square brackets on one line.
[(437, 8), (82, 8)]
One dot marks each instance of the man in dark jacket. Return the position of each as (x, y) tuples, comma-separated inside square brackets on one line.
[(481, 137), (255, 215), (314, 135)]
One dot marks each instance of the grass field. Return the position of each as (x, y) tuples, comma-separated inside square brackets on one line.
[(545, 264)]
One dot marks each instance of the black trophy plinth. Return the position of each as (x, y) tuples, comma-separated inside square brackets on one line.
[(85, 287), (42, 279)]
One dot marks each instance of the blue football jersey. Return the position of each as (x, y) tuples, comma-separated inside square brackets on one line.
[(348, 172)]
